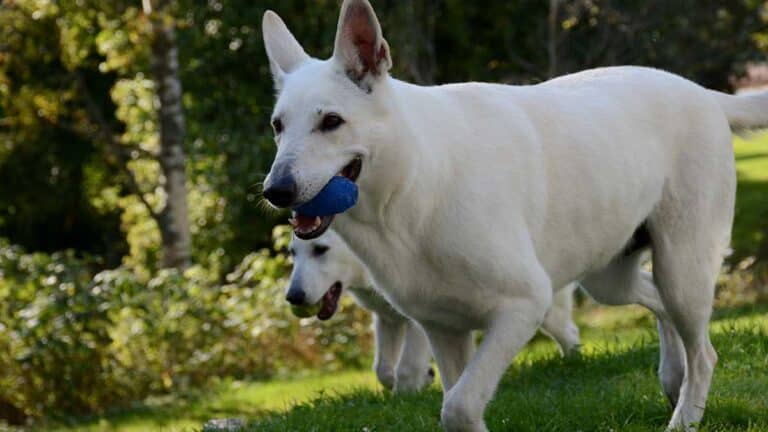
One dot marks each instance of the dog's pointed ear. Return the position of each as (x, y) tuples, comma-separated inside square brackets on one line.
[(360, 47), (284, 52)]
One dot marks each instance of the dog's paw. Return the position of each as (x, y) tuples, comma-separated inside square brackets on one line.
[(413, 379), (386, 375), (460, 414)]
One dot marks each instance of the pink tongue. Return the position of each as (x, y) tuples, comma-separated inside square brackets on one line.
[(330, 303), (304, 222)]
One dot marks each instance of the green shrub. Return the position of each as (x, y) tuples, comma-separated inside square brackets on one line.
[(72, 342), (54, 333)]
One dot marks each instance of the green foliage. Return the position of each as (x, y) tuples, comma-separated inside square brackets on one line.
[(73, 70), (49, 159), (693, 38), (73, 343), (54, 331)]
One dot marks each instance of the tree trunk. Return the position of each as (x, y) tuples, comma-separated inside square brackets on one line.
[(552, 24), (416, 22), (173, 220)]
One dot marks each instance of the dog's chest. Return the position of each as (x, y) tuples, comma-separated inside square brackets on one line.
[(430, 295), (424, 280)]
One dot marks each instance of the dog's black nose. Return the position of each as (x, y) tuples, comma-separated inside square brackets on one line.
[(295, 297), (281, 192)]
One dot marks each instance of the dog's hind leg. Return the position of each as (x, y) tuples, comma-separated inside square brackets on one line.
[(413, 370), (686, 281), (687, 257), (559, 325), (690, 229), (624, 282)]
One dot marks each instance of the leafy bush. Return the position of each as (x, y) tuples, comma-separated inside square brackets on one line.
[(54, 334), (72, 342), (744, 282)]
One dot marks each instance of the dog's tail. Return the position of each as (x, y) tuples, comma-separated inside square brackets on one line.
[(749, 111)]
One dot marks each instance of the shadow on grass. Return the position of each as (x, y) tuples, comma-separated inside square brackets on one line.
[(730, 313), (750, 156)]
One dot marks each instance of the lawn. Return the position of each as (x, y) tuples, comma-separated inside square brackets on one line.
[(751, 225), (188, 412), (611, 387)]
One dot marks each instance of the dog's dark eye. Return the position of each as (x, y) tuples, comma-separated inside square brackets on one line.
[(319, 250), (277, 125), (331, 122)]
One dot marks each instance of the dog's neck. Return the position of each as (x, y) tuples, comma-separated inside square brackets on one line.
[(399, 157), (396, 177)]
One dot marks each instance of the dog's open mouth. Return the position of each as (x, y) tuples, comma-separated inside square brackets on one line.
[(330, 302), (309, 227)]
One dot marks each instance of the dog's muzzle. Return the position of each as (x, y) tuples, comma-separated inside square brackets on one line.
[(281, 190)]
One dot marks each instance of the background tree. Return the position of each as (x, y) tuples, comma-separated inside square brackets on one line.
[(414, 42), (173, 220)]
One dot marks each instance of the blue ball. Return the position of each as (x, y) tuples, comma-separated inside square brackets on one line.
[(338, 196)]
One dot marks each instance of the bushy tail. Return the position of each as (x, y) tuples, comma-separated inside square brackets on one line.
[(748, 111)]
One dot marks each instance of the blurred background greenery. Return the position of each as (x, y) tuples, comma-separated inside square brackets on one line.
[(135, 257)]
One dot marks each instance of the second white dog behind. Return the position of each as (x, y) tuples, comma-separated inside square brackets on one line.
[(325, 266)]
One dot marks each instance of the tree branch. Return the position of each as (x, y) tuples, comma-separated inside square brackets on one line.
[(105, 133)]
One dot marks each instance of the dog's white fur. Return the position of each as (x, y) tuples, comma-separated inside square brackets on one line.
[(402, 358), (479, 201)]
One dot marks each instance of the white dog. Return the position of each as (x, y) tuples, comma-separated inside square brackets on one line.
[(479, 201), (325, 266)]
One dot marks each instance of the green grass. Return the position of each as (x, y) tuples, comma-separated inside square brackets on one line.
[(751, 224), (226, 400), (612, 387)]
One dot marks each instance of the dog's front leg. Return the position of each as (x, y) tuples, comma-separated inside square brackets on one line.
[(514, 323)]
